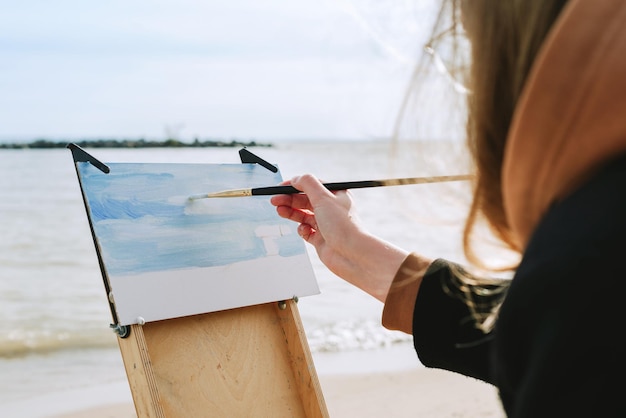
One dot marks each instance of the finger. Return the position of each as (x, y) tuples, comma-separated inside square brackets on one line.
[(296, 215), (297, 201), (301, 200), (305, 231), (311, 235), (281, 200)]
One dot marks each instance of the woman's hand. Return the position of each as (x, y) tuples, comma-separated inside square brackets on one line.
[(326, 222)]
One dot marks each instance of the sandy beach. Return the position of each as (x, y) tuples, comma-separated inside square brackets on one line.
[(416, 393), (381, 383)]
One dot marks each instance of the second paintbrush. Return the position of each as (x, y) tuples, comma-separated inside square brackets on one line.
[(274, 190)]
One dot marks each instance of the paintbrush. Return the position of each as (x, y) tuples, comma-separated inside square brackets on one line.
[(274, 190)]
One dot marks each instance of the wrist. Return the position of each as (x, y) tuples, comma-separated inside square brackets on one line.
[(378, 262)]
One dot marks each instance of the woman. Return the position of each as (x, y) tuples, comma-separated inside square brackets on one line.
[(548, 138)]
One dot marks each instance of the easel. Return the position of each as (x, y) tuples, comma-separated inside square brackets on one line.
[(252, 361)]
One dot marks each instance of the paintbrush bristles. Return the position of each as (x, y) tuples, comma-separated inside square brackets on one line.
[(223, 193), (232, 193)]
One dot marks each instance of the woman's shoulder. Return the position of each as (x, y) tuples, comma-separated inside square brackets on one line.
[(580, 244), (591, 221)]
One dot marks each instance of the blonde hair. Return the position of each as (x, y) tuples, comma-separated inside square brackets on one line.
[(505, 37)]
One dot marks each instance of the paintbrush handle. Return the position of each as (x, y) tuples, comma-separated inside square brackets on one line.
[(273, 190)]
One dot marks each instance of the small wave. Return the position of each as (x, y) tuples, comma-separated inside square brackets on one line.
[(335, 337), (23, 343), (353, 335)]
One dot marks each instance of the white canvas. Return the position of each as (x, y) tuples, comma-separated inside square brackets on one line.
[(166, 256)]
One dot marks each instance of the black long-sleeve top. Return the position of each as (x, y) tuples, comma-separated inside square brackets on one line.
[(557, 348)]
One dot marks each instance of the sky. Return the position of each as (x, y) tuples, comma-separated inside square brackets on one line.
[(272, 69)]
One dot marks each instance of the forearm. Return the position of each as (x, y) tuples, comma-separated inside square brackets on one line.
[(373, 264)]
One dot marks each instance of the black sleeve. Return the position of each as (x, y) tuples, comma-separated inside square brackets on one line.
[(445, 332)]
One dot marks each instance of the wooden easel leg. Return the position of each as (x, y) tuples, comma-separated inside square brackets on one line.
[(140, 374), (301, 360)]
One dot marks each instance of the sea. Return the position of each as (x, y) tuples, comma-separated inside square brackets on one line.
[(54, 316)]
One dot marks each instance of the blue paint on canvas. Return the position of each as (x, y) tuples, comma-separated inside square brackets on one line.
[(144, 222)]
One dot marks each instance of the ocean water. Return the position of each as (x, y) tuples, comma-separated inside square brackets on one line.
[(54, 327)]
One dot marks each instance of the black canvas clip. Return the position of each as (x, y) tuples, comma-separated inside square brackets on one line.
[(80, 155), (248, 157)]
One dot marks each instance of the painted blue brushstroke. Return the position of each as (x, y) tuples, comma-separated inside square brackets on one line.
[(108, 208), (144, 222)]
